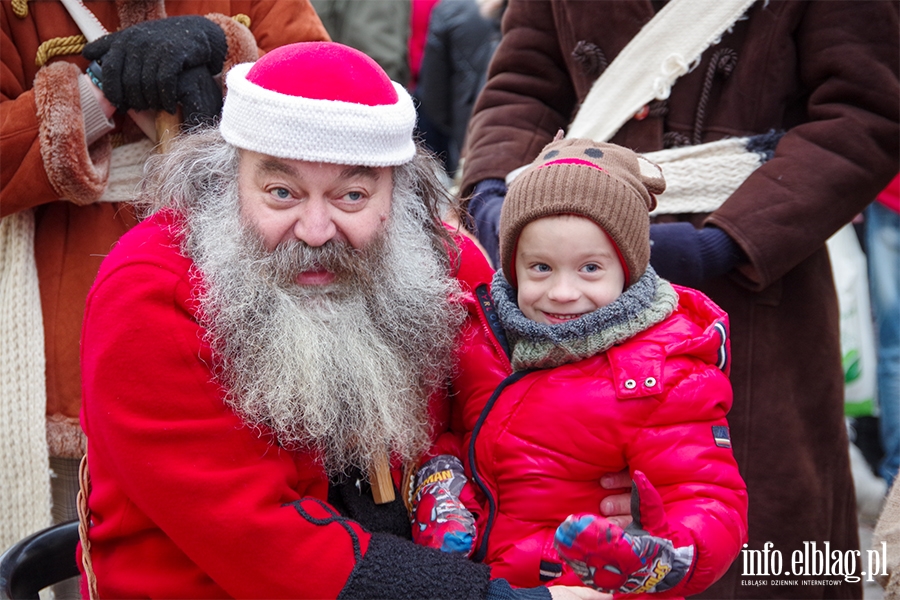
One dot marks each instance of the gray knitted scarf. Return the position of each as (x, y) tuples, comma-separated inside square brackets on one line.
[(535, 345)]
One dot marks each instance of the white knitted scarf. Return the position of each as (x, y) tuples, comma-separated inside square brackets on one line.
[(700, 178), (25, 471)]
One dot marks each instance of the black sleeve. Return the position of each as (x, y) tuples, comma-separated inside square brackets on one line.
[(396, 568)]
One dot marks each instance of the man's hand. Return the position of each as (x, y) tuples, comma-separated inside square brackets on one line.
[(157, 64), (567, 592), (617, 507), (484, 207), (689, 256)]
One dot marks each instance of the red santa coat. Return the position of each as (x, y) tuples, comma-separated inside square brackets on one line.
[(655, 403), (186, 500)]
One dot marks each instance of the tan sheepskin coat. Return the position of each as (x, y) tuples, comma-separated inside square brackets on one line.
[(47, 166)]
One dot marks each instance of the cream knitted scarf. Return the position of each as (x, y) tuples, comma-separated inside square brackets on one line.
[(700, 178), (25, 479), (535, 345)]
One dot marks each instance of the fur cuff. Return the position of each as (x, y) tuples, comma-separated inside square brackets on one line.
[(65, 437), (132, 12), (241, 43), (77, 173)]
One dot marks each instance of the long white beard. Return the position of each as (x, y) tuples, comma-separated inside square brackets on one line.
[(345, 371)]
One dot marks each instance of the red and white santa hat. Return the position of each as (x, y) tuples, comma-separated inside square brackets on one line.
[(321, 102)]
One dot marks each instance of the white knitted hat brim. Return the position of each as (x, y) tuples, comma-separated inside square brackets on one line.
[(264, 121)]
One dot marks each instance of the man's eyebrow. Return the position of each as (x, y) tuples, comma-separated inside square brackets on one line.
[(273, 165), (361, 171)]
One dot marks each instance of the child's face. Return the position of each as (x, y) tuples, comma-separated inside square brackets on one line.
[(566, 266)]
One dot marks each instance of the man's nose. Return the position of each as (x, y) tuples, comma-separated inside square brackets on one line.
[(315, 224)]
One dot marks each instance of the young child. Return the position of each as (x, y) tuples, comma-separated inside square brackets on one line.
[(611, 367)]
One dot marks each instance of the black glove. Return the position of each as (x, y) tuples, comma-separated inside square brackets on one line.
[(484, 207), (156, 64), (200, 96), (688, 256)]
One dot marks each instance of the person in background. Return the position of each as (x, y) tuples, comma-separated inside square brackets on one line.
[(882, 227), (823, 74), (419, 24), (72, 159), (461, 41), (266, 356), (887, 532), (379, 28)]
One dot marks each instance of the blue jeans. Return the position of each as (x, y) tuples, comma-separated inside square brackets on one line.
[(883, 244)]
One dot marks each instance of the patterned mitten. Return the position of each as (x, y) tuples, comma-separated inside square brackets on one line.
[(439, 518), (610, 559)]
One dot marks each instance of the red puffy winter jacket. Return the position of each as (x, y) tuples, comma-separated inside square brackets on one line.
[(656, 403)]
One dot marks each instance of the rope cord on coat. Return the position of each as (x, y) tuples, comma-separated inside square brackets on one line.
[(74, 44), (20, 8), (84, 523), (60, 46)]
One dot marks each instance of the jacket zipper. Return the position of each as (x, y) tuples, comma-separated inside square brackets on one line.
[(492, 502), (490, 323)]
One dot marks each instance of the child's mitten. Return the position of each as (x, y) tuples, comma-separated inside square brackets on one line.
[(439, 518), (610, 559)]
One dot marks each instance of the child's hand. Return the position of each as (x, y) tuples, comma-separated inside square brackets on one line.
[(631, 560), (439, 519)]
